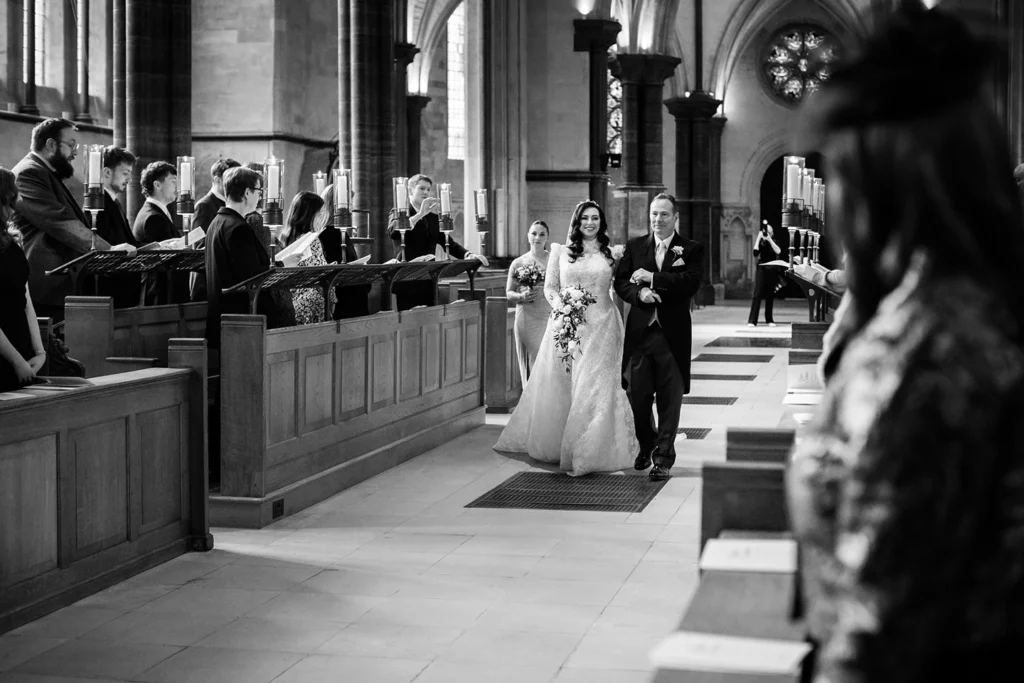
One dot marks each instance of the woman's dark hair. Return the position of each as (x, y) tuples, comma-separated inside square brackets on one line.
[(8, 197), (576, 237), (302, 212), (922, 168), (542, 223)]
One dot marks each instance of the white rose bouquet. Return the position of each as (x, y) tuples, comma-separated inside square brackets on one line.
[(569, 313), (528, 276)]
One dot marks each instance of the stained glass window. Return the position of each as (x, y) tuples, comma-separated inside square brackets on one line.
[(798, 60), (614, 110)]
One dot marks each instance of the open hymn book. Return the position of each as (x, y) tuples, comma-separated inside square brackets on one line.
[(192, 239)]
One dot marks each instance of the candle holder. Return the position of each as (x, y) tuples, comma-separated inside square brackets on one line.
[(792, 245), (480, 203), (792, 198), (343, 229), (342, 198), (185, 205), (447, 226), (400, 186), (93, 201), (803, 245), (319, 182), (273, 217)]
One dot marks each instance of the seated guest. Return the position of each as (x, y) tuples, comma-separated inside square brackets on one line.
[(234, 253), (55, 228), (423, 238), (205, 209), (906, 490), (21, 347), (112, 225), (154, 223), (351, 301), (305, 207)]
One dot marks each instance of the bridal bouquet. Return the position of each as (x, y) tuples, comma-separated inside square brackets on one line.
[(569, 314), (528, 276)]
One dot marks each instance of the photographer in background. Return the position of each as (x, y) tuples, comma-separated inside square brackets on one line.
[(766, 280)]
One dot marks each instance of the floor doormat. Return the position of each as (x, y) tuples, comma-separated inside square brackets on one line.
[(731, 358), (709, 400), (694, 433), (753, 342), (558, 491), (723, 378)]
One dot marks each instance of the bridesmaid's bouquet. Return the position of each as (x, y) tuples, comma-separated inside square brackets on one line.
[(568, 315), (528, 275)]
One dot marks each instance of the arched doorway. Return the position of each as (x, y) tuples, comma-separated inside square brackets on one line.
[(771, 210)]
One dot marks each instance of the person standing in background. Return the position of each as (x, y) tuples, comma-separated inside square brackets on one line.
[(205, 209)]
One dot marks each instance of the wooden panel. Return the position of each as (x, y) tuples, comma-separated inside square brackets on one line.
[(410, 363), (383, 373), (243, 409), (318, 393), (353, 367), (747, 496), (432, 358), (758, 445), (452, 353), (160, 459), (809, 335), (150, 341), (101, 486), (281, 378), (472, 349), (512, 378), (28, 509)]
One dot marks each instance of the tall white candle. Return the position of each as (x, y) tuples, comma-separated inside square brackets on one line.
[(446, 198), (401, 195), (95, 166), (185, 177), (341, 192), (481, 203), (808, 181), (273, 182), (319, 182), (792, 182)]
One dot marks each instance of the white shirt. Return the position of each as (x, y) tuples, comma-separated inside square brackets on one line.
[(150, 200), (661, 248)]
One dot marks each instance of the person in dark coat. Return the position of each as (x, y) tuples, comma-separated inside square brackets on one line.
[(352, 301), (154, 223), (205, 210), (112, 225)]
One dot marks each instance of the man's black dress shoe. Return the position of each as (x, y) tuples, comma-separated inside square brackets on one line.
[(660, 473), (643, 461)]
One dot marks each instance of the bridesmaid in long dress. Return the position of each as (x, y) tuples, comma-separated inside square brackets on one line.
[(532, 308)]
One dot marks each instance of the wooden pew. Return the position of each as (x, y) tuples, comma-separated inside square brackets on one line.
[(758, 445), (742, 496), (502, 382), (100, 483), (490, 282), (307, 412), (110, 341)]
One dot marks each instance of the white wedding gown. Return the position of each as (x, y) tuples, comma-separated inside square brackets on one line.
[(582, 420)]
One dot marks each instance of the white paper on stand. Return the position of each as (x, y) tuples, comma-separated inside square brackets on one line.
[(749, 555), (173, 243), (360, 261), (775, 264), (299, 250), (124, 246), (688, 651), (195, 235)]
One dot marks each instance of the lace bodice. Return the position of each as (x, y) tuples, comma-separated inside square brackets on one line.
[(591, 271)]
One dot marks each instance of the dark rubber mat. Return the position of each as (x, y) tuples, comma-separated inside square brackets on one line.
[(593, 492), (709, 400), (732, 358), (753, 342), (724, 378), (695, 433)]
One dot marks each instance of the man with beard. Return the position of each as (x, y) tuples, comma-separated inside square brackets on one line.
[(112, 225), (54, 226)]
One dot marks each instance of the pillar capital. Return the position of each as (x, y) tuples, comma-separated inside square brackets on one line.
[(416, 103), (594, 35), (698, 105), (644, 69), (405, 53)]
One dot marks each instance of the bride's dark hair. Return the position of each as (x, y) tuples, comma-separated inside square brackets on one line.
[(575, 245)]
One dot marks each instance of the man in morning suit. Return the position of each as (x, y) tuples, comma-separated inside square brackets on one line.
[(424, 238), (233, 251), (154, 223), (54, 227), (205, 209), (112, 225), (657, 275)]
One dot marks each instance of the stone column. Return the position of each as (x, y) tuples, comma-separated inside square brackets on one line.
[(120, 54), (373, 124), (414, 106), (697, 139), (83, 114), (595, 36), (28, 56), (404, 54), (344, 86), (158, 105), (643, 80)]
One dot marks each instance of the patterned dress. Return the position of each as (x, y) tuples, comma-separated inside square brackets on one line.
[(907, 492)]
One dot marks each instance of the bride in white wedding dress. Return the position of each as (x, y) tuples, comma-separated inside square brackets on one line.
[(582, 419)]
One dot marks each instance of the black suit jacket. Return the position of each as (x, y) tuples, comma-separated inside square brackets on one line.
[(676, 283), (54, 226), (153, 225), (205, 211), (353, 301), (112, 225), (233, 255), (423, 239)]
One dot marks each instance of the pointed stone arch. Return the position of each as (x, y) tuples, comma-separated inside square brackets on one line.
[(427, 22)]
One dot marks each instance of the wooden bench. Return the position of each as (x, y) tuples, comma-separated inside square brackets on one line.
[(758, 445), (502, 383), (101, 482), (309, 411), (742, 496)]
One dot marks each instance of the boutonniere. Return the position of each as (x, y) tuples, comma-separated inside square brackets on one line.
[(678, 251)]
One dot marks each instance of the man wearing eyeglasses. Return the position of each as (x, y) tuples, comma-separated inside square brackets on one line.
[(54, 226)]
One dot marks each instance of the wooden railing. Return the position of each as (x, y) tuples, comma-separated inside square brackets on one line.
[(101, 482)]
